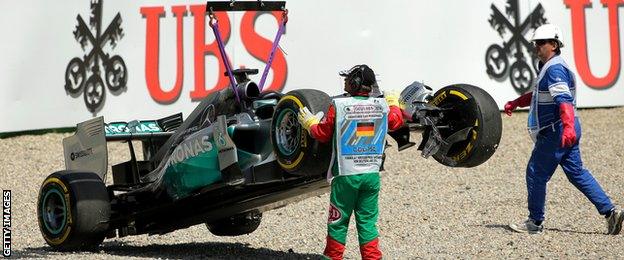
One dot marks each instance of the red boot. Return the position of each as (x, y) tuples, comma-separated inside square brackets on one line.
[(333, 249), (370, 250)]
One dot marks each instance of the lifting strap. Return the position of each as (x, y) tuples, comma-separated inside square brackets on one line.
[(214, 24), (273, 48)]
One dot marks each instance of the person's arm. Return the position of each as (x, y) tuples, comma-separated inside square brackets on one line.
[(522, 101), (395, 118), (324, 130), (395, 115), (557, 80), (566, 112)]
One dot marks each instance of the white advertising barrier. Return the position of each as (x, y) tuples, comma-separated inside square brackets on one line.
[(166, 52)]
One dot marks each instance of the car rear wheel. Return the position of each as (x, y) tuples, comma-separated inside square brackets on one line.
[(297, 152), (73, 210), (236, 225), (468, 106)]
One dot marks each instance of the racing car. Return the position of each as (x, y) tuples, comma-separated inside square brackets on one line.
[(238, 154), (228, 162)]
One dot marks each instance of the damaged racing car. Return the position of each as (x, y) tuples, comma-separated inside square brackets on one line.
[(239, 153)]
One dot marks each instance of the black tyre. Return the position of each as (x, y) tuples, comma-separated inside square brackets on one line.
[(296, 151), (468, 106), (236, 225), (73, 210)]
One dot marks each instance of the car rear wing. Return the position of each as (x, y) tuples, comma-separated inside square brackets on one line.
[(86, 150), (144, 129)]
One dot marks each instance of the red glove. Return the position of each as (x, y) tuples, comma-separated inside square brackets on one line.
[(568, 137), (521, 101)]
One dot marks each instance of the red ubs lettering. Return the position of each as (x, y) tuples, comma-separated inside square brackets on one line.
[(579, 39), (256, 45)]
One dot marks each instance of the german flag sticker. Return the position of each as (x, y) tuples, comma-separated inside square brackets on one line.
[(365, 129)]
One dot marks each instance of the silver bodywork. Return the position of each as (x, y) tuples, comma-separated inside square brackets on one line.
[(86, 150)]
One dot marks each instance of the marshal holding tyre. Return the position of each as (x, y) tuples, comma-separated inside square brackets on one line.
[(297, 152)]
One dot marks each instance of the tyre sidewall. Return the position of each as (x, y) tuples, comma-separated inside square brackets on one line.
[(291, 162), (310, 157), (53, 182), (87, 210), (483, 139)]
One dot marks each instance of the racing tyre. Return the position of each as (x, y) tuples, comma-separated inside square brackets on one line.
[(236, 225), (468, 106), (73, 210), (297, 152)]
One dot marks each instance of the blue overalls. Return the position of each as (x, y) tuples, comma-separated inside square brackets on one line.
[(556, 85)]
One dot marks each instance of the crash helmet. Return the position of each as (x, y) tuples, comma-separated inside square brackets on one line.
[(360, 78), (548, 32)]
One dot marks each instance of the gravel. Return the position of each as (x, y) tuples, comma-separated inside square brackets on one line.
[(426, 210)]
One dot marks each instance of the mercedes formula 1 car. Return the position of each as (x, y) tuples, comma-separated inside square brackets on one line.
[(228, 162), (239, 153)]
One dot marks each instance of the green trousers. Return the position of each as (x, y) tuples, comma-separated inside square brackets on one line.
[(357, 194)]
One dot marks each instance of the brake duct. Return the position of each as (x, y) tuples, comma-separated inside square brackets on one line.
[(414, 100)]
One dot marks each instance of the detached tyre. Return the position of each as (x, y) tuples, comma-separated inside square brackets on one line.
[(296, 151), (73, 210), (468, 106), (236, 225)]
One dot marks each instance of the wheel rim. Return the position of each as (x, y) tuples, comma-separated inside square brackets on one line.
[(457, 120), (287, 132), (53, 211)]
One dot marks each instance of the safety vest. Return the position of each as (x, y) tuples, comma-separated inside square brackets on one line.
[(361, 127), (542, 113)]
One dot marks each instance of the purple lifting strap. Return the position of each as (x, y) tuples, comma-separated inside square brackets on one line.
[(226, 60), (273, 48)]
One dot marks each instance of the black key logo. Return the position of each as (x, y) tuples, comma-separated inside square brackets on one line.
[(83, 75), (516, 48)]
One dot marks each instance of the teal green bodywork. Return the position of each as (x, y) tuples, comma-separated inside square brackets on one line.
[(183, 178), (119, 128)]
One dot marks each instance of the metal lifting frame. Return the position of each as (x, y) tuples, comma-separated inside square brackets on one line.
[(229, 6)]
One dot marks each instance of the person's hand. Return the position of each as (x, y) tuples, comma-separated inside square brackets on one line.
[(510, 106), (522, 101), (392, 98), (307, 119), (568, 137)]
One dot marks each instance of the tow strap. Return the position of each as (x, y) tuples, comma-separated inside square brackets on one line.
[(214, 24), (273, 48)]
